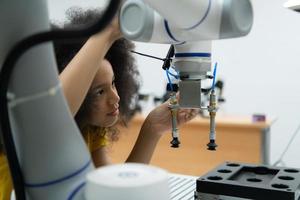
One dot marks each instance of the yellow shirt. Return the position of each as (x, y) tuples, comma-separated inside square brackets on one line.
[(5, 180), (94, 137)]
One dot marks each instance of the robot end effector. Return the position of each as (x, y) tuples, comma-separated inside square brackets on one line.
[(190, 26)]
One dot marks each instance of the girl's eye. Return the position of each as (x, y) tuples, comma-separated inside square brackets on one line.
[(99, 92)]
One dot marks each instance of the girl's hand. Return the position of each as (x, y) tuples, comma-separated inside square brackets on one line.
[(155, 125), (112, 31), (160, 121), (114, 28)]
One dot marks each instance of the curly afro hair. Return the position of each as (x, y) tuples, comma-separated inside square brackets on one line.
[(119, 55)]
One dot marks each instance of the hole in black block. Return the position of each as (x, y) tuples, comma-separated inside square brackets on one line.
[(261, 170), (214, 178), (224, 171), (256, 180), (280, 186), (291, 170), (287, 178), (233, 165)]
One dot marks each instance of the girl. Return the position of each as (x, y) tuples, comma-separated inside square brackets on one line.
[(100, 83)]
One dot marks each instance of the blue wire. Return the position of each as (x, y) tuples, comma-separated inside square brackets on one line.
[(175, 76), (214, 74), (171, 86), (177, 71)]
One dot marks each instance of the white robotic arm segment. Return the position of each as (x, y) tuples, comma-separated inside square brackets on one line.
[(183, 14), (192, 20)]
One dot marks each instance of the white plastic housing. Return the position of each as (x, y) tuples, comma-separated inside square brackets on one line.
[(177, 21), (182, 14), (130, 181)]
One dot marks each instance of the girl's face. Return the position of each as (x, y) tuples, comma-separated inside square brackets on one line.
[(104, 111)]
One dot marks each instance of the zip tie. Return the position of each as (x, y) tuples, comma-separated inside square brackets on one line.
[(49, 92)]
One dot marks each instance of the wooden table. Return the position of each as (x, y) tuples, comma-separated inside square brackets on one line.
[(238, 139)]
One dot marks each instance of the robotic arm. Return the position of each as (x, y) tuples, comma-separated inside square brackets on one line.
[(190, 26)]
